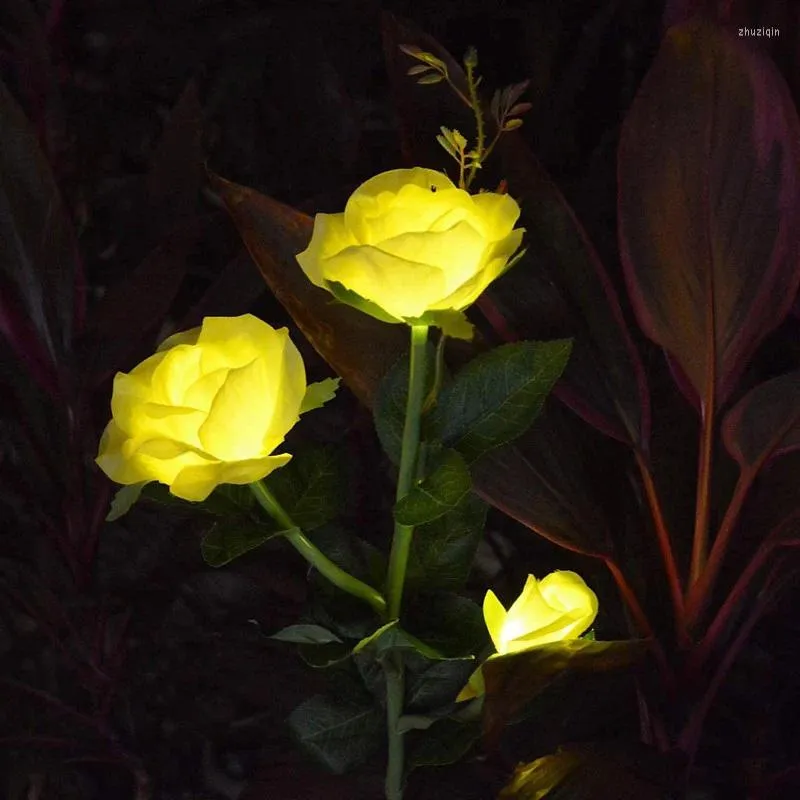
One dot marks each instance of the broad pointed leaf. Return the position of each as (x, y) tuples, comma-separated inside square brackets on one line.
[(38, 258), (310, 487), (513, 680), (359, 348), (765, 423), (439, 493), (498, 395), (306, 634), (232, 538), (339, 734), (595, 772), (709, 205)]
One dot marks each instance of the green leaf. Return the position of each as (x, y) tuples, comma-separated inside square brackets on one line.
[(306, 634), (446, 145), (444, 742), (498, 395), (451, 624), (439, 493), (434, 77), (596, 772), (512, 681), (311, 486), (391, 638), (322, 656), (317, 394), (227, 500), (438, 685), (229, 539), (354, 555), (442, 551), (339, 734), (124, 498), (390, 402)]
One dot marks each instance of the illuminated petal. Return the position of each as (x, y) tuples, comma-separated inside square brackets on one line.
[(494, 614), (400, 287), (457, 253), (182, 337), (329, 237), (240, 413), (568, 591), (469, 291), (179, 368), (196, 483), (497, 214)]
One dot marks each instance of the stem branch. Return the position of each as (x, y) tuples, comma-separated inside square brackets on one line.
[(336, 575), (664, 540)]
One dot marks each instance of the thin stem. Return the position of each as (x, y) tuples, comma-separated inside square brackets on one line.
[(475, 103), (703, 504), (461, 96), (336, 575), (398, 560), (700, 592), (641, 621), (721, 621), (395, 691), (403, 534), (690, 737), (664, 540)]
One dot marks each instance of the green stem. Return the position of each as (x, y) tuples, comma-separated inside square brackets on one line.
[(395, 691), (337, 576), (475, 102), (398, 560), (401, 543)]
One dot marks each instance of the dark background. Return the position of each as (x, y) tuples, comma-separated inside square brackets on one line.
[(290, 98)]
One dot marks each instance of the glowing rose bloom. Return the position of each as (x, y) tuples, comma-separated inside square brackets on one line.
[(412, 247), (208, 408), (560, 606)]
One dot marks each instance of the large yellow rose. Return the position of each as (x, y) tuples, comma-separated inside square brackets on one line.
[(559, 607), (208, 408), (412, 247)]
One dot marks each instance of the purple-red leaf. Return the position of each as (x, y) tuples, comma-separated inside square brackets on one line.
[(513, 680), (709, 205), (37, 253), (137, 305), (358, 347), (765, 423), (234, 290), (539, 481), (177, 172)]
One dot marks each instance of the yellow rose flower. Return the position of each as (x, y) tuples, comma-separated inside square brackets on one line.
[(208, 408), (559, 607), (412, 247)]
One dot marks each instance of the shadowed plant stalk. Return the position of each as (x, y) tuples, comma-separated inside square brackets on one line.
[(398, 559)]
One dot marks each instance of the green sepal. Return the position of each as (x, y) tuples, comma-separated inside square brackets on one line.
[(124, 498), (317, 394), (351, 298)]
